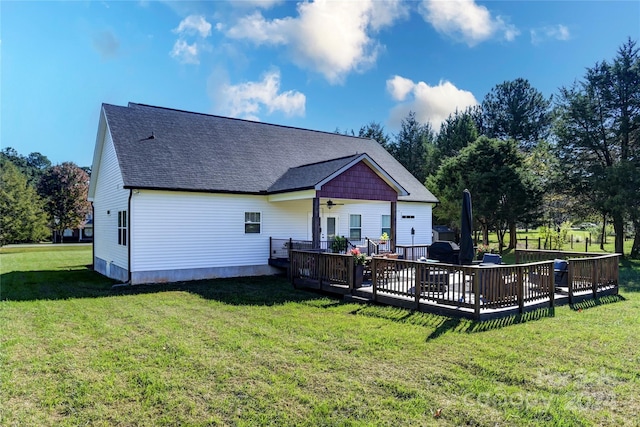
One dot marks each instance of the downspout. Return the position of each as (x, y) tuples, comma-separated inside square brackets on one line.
[(129, 235)]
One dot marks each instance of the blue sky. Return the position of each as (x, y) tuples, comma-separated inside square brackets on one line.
[(321, 65)]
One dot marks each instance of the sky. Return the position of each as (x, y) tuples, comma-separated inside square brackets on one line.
[(324, 65)]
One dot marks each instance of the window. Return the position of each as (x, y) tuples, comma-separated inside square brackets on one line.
[(355, 227), (251, 222), (122, 228), (386, 225)]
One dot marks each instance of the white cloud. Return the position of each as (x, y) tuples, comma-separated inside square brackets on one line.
[(432, 104), (553, 32), (185, 53), (190, 27), (399, 87), (330, 37), (249, 100), (466, 21), (194, 25)]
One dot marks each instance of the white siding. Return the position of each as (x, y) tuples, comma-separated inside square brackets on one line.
[(372, 212), (109, 197), (178, 230), (421, 223)]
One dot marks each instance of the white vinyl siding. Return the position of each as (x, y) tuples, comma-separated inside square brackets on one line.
[(371, 214), (110, 197), (180, 230), (421, 223)]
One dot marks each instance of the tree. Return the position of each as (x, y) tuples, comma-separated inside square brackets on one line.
[(22, 215), (376, 132), (32, 166), (516, 110), (598, 132), (456, 132), (411, 146), (493, 172), (64, 188)]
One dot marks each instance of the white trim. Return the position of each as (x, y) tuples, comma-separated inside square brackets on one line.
[(103, 127), (294, 195)]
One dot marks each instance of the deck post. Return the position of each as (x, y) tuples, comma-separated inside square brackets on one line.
[(289, 270), (315, 224), (520, 291), (420, 270), (392, 238), (570, 281), (595, 276), (374, 278), (476, 295), (352, 276), (552, 287)]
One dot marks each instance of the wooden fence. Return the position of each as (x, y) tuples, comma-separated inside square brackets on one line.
[(474, 291)]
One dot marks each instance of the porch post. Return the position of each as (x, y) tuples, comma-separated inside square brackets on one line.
[(392, 241), (315, 224)]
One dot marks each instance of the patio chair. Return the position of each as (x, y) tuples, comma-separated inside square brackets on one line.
[(560, 273), (491, 259)]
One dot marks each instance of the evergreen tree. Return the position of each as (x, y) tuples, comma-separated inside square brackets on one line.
[(22, 215), (516, 110), (31, 166), (412, 144), (598, 133), (375, 131), (502, 190)]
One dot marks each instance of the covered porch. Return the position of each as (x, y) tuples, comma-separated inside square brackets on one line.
[(477, 292)]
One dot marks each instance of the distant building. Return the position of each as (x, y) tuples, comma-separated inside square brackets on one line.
[(442, 232)]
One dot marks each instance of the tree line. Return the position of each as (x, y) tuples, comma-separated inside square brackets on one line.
[(37, 197), (531, 160)]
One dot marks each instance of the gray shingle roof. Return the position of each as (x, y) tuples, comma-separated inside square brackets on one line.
[(200, 152)]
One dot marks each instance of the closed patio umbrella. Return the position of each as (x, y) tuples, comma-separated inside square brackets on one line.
[(466, 241)]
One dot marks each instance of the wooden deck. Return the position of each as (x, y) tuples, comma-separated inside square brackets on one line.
[(477, 292)]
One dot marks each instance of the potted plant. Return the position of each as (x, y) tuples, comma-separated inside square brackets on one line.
[(359, 259), (384, 238), (339, 244)]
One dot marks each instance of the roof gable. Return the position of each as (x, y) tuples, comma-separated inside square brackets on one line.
[(159, 148)]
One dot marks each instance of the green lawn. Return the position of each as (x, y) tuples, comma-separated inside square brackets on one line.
[(255, 351)]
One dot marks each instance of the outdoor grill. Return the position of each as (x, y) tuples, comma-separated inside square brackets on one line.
[(444, 251)]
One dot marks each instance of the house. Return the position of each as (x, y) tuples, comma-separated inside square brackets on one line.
[(82, 234), (179, 196)]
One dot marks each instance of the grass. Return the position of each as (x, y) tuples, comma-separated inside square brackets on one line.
[(576, 241), (254, 351)]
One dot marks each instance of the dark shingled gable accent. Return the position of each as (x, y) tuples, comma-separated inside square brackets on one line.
[(201, 152), (358, 182)]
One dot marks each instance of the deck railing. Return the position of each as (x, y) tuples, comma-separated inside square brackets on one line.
[(426, 286), (587, 271), (413, 252), (533, 255), (474, 289)]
